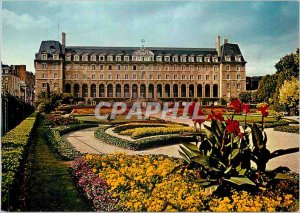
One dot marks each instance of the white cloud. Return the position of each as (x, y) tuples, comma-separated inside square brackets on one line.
[(24, 21)]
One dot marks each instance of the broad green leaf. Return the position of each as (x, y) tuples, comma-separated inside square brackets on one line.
[(228, 170), (208, 131), (234, 153), (242, 171), (202, 160), (191, 146), (185, 157), (187, 152), (210, 190), (257, 137), (282, 176), (240, 181)]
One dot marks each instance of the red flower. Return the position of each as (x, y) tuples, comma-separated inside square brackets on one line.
[(246, 108), (233, 127), (263, 110), (215, 116), (201, 119), (237, 105)]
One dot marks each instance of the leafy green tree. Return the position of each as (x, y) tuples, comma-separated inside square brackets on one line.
[(267, 88), (289, 94), (289, 64), (245, 97)]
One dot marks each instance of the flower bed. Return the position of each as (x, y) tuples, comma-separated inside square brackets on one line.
[(14, 147), (58, 120), (152, 131), (134, 125), (159, 183), (141, 143), (290, 129)]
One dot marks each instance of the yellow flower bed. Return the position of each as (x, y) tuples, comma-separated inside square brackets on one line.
[(151, 131), (158, 183)]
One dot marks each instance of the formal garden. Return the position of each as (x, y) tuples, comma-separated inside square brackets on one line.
[(222, 164)]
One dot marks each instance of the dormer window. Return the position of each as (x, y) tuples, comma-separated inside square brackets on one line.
[(215, 59), (167, 58), (110, 58), (134, 58), (76, 58), (183, 58), (44, 56), (85, 58), (55, 56), (207, 59), (227, 58), (101, 58), (94, 58), (175, 58), (126, 58), (118, 58), (199, 58), (191, 58), (158, 58), (68, 57), (238, 58)]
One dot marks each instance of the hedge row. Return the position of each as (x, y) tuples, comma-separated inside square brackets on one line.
[(290, 129), (58, 145), (14, 148), (141, 143), (279, 123)]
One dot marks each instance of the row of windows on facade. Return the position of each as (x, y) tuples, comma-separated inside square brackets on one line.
[(142, 67), (183, 58), (134, 76), (229, 86)]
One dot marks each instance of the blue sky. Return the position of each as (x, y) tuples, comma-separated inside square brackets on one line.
[(265, 31)]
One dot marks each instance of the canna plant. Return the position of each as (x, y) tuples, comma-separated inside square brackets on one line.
[(223, 155)]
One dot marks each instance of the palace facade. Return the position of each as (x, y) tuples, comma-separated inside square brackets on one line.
[(141, 72)]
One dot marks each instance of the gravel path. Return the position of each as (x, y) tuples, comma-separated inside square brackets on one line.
[(85, 142)]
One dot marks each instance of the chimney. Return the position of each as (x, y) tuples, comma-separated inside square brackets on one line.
[(225, 40), (218, 45), (63, 38)]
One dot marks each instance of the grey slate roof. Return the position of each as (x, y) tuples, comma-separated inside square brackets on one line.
[(129, 50), (51, 47)]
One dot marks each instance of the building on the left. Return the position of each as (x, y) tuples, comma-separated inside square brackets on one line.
[(18, 82)]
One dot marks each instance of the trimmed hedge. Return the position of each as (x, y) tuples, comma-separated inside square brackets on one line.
[(290, 129), (14, 148), (141, 143), (58, 145), (279, 123)]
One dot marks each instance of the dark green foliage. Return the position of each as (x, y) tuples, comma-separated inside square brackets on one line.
[(14, 147), (290, 129), (278, 123), (61, 147), (267, 88), (141, 143), (245, 97)]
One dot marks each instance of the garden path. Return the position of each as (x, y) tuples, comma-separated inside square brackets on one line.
[(85, 142)]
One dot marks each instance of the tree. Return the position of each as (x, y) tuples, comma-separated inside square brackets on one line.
[(289, 64), (289, 94), (245, 97), (267, 88)]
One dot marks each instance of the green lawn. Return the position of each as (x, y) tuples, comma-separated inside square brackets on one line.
[(251, 118), (50, 187)]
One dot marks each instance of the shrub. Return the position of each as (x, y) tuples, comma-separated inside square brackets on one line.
[(14, 146), (290, 129), (58, 120), (141, 143), (61, 147), (151, 131), (278, 123), (134, 125)]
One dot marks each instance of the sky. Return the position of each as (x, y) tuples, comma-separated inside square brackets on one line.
[(265, 31)]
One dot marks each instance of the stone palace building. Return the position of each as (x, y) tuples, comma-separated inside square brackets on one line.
[(141, 72)]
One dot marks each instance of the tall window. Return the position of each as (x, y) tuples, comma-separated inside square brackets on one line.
[(206, 68), (182, 68), (118, 76), (191, 67), (159, 77), (84, 76), (101, 76), (175, 67), (134, 67), (109, 67), (118, 67), (199, 77), (207, 77), (93, 67), (44, 66), (150, 76), (238, 68), (55, 75), (183, 77), (227, 67), (126, 67), (134, 76), (76, 76), (228, 76), (239, 86), (109, 76), (215, 68), (191, 77), (101, 67), (93, 76), (126, 76), (167, 67), (238, 76), (215, 77), (175, 77), (44, 75), (167, 77)]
